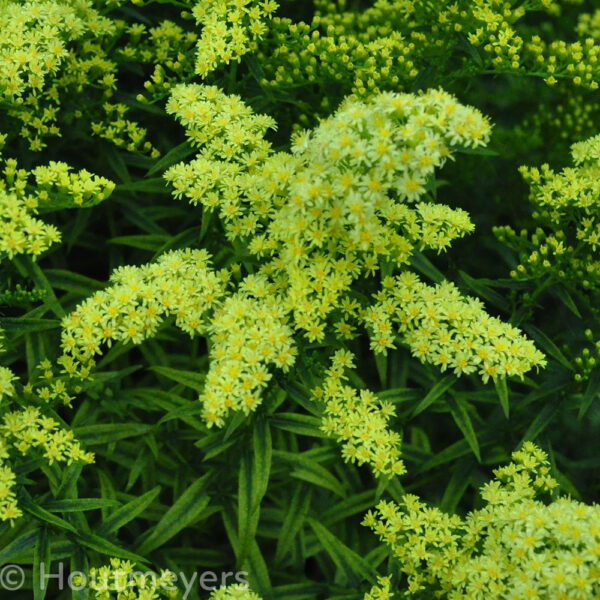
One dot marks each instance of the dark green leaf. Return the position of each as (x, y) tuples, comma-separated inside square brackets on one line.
[(182, 514), (459, 409), (436, 392)]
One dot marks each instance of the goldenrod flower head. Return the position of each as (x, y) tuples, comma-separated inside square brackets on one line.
[(445, 328), (22, 431), (248, 333), (230, 28), (50, 49), (345, 196), (121, 580), (380, 591), (236, 591), (515, 547), (564, 246), (33, 41), (179, 283), (20, 232), (7, 388), (24, 193), (359, 420)]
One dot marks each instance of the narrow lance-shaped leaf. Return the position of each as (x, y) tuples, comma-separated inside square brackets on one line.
[(182, 514)]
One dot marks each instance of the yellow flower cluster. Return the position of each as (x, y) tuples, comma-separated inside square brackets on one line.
[(345, 195), (49, 187), (167, 45), (588, 25), (358, 172), (492, 27), (234, 592), (122, 132), (391, 44), (50, 49), (566, 206), (351, 50), (515, 547), (24, 430), (359, 420), (380, 591), (445, 328), (230, 138), (47, 386), (564, 247), (20, 232), (179, 283), (248, 332), (120, 580), (28, 428), (34, 37), (574, 114), (230, 29), (58, 186), (7, 388), (8, 502)]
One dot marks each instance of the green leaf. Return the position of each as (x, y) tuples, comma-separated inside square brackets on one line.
[(485, 292), (475, 151), (459, 409), (117, 164), (253, 479), (41, 514), (357, 503), (78, 504), (399, 395), (205, 222), (128, 512), (15, 327), (541, 421), (248, 514), (41, 559), (473, 53), (426, 267), (436, 392), (75, 283), (151, 241), (563, 295), (141, 463), (107, 548), (109, 432), (182, 514), (297, 423), (188, 378), (457, 486), (502, 390), (591, 393), (352, 566), (294, 519), (173, 156), (80, 564), (156, 185), (314, 473), (257, 571), (18, 546), (27, 265), (547, 345), (182, 240), (263, 452)]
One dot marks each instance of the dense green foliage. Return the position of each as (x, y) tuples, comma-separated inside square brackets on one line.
[(303, 291)]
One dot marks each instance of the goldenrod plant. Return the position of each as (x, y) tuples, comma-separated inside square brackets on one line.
[(299, 300)]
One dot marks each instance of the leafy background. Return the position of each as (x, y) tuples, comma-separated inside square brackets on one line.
[(269, 494)]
